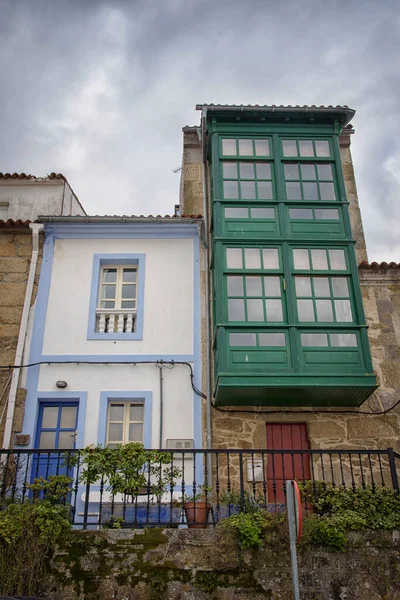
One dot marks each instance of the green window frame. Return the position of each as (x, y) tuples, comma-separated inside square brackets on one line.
[(329, 339), (255, 298), (251, 213), (309, 181), (247, 180), (245, 147), (306, 147), (323, 299), (264, 339), (324, 259), (322, 214)]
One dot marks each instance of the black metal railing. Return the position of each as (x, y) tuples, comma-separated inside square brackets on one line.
[(238, 478)]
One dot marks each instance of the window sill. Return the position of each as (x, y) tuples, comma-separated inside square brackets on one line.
[(114, 336)]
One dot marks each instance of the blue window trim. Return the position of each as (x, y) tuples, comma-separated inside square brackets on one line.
[(107, 397), (116, 259)]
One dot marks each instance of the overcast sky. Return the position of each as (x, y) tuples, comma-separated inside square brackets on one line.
[(99, 91)]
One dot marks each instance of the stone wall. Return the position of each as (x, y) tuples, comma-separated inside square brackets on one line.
[(181, 564), (15, 256)]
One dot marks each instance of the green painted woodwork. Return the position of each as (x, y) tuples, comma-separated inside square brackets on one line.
[(279, 212)]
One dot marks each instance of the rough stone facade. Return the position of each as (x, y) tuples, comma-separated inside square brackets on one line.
[(208, 565), (15, 257), (381, 295)]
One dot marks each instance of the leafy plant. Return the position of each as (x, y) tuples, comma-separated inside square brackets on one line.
[(341, 509), (254, 528), (55, 489), (203, 494), (127, 469), (29, 532)]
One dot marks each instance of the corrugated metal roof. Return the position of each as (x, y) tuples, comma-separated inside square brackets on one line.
[(376, 265)]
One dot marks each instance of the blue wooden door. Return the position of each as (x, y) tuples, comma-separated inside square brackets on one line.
[(56, 430)]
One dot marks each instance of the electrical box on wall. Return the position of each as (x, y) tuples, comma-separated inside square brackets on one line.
[(182, 444)]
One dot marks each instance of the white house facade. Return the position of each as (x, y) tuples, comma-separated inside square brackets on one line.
[(114, 339)]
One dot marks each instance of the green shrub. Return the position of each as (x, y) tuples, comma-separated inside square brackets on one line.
[(253, 528)]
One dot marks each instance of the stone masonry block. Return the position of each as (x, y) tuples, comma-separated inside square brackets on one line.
[(25, 251), (7, 249), (372, 427), (12, 294), (24, 238), (192, 173), (327, 429), (13, 265), (10, 315), (9, 330)]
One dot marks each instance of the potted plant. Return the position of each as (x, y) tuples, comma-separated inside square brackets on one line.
[(197, 508)]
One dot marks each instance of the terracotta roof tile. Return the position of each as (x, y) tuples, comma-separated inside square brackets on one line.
[(26, 176), (376, 265), (11, 224)]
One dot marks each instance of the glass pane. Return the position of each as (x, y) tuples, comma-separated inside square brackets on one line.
[(108, 291), (66, 440), (135, 432), (300, 259), (115, 432), (109, 275), (262, 213), (236, 310), (300, 213), (128, 304), (343, 311), (129, 276), (325, 172), (327, 213), (50, 416), (303, 286), (306, 148), (319, 260), (324, 310), (293, 191), (252, 258), (340, 287), (248, 190), (343, 339), (314, 339), (321, 286), (234, 258), (337, 260), (229, 170), (263, 170), (262, 147), (242, 339), (236, 213), (272, 286), (253, 286), (274, 310), (68, 417), (264, 189), (307, 172), (235, 286), (255, 310), (327, 191), (136, 412), (322, 148), (47, 440), (116, 412), (305, 309), (271, 339), (231, 189), (246, 170), (107, 305), (128, 291), (310, 191), (289, 147), (270, 258), (245, 147), (228, 147), (291, 172)]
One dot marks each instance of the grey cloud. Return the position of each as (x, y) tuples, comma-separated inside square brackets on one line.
[(100, 90)]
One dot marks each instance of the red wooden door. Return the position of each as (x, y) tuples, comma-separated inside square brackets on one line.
[(286, 436)]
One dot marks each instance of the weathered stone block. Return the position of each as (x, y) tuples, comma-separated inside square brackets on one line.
[(10, 314), (23, 238), (13, 265), (7, 249), (372, 427), (12, 294), (327, 429)]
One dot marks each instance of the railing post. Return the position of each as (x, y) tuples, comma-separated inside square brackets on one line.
[(393, 470), (86, 509), (241, 475)]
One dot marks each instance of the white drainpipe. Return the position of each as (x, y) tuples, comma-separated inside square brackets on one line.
[(36, 227)]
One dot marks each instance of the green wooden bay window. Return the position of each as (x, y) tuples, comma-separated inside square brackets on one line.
[(289, 326)]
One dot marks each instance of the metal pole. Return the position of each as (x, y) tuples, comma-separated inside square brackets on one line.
[(393, 470), (292, 537)]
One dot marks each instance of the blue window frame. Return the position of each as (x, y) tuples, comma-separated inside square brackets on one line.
[(99, 260)]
